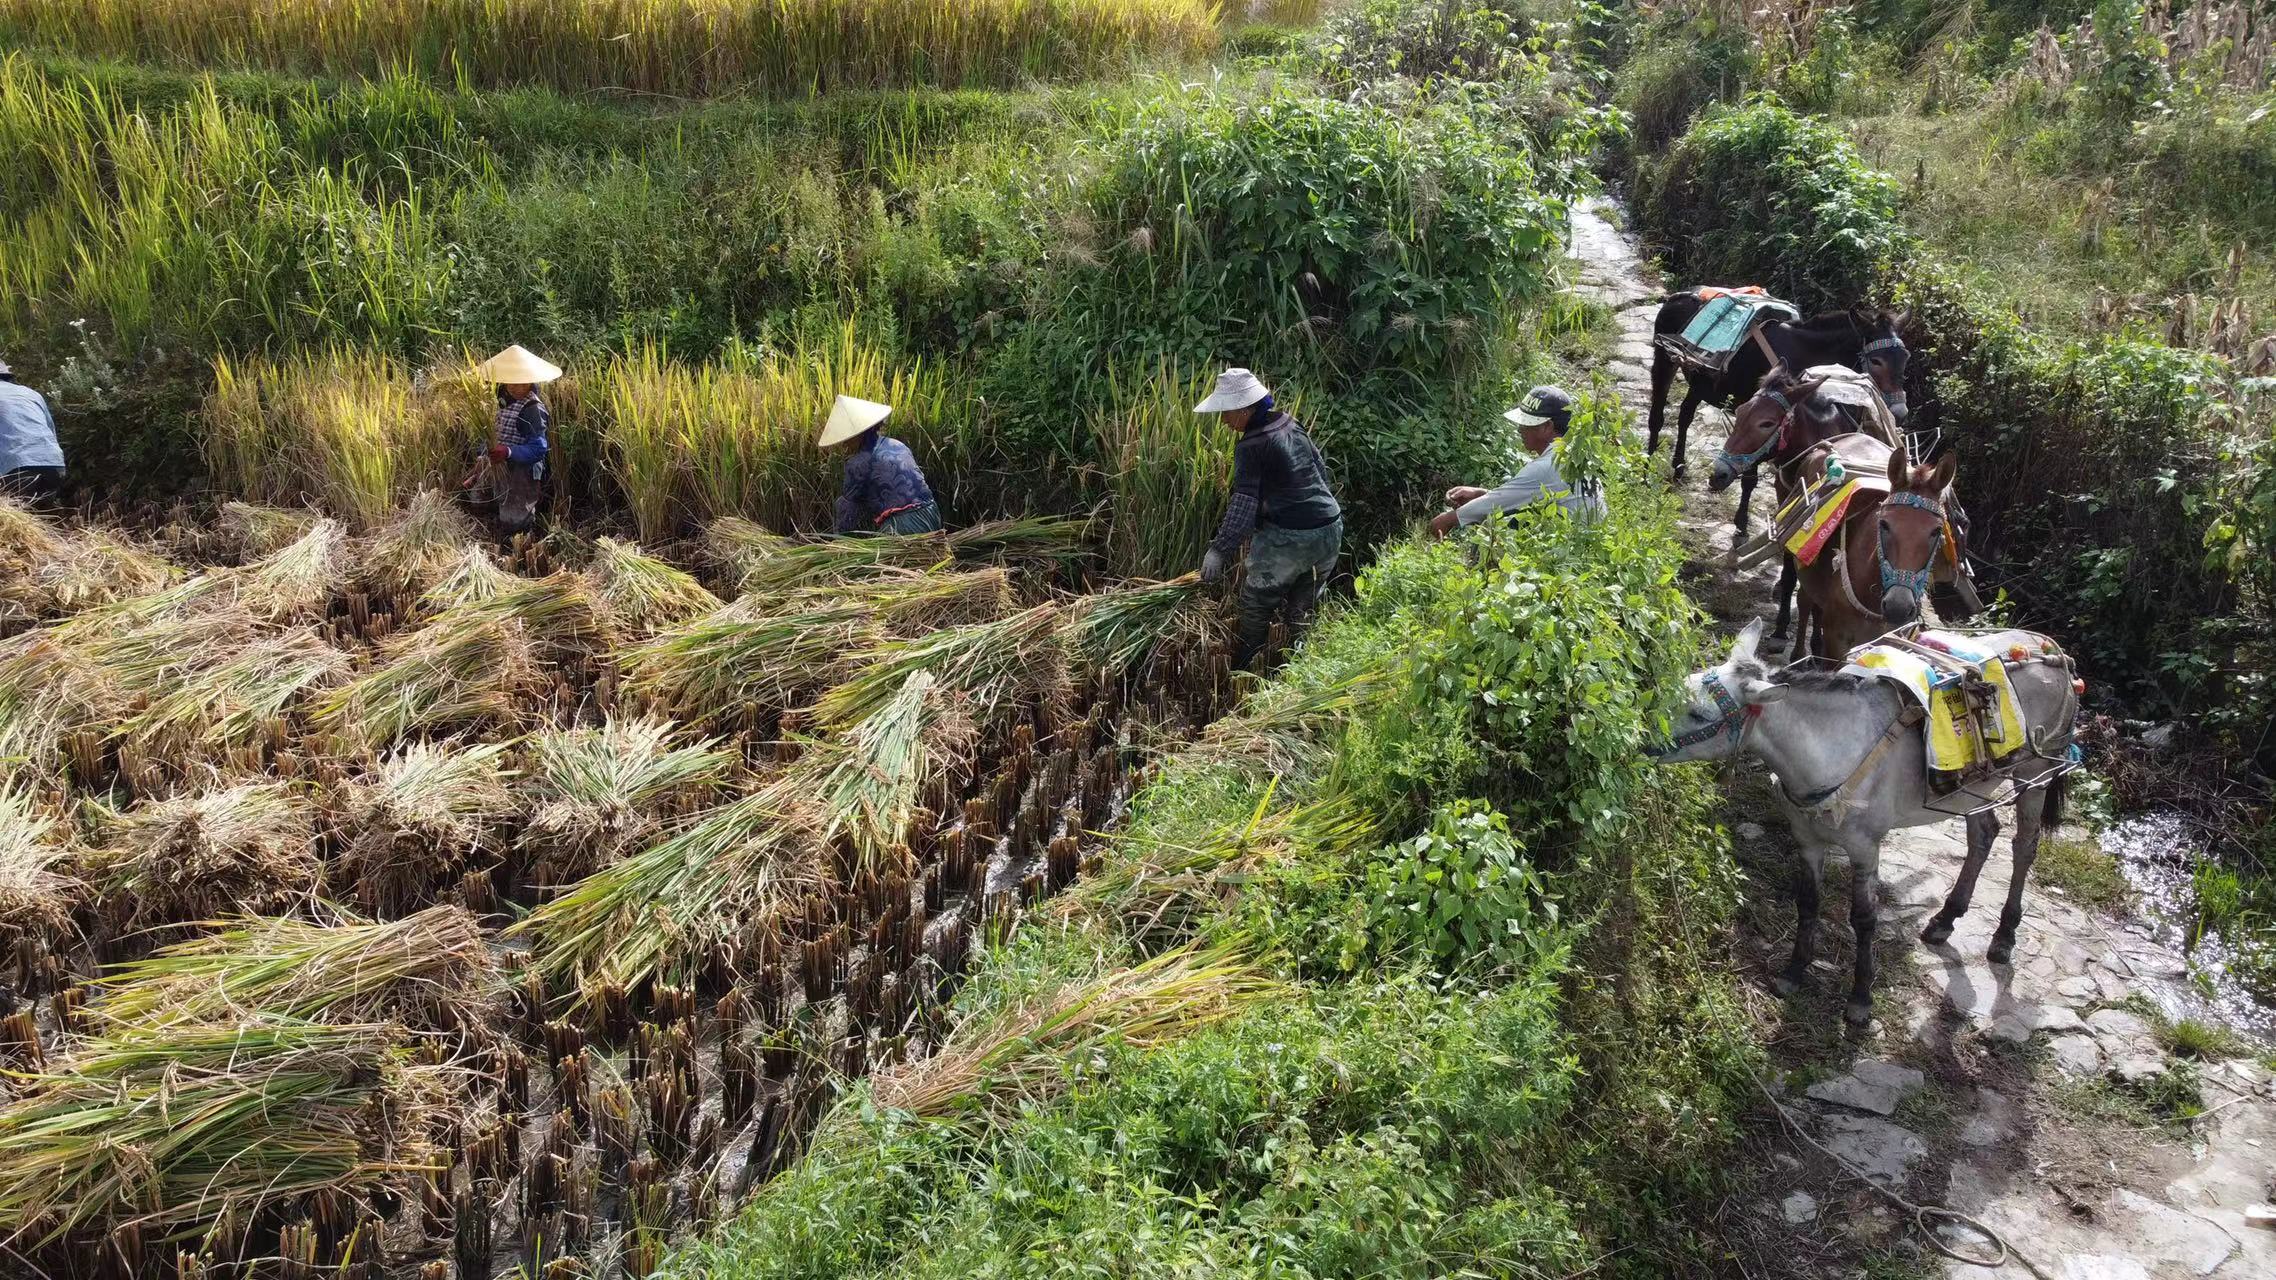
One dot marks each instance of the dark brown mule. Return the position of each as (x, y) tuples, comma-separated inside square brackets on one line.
[(1779, 424), (1866, 340), (1873, 576)]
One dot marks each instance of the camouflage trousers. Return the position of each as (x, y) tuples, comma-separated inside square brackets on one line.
[(1288, 570)]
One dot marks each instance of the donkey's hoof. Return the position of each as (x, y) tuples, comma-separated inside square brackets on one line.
[(1938, 932), (2001, 950), (1858, 1014)]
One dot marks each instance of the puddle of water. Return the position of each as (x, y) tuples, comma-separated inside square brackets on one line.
[(2158, 853)]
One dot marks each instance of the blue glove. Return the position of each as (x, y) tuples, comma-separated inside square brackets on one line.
[(1212, 566)]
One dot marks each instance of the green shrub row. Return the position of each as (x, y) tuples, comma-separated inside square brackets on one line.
[(1504, 1038)]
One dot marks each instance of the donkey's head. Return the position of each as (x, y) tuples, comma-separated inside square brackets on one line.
[(1722, 705), (1885, 358), (1912, 533), (1758, 425)]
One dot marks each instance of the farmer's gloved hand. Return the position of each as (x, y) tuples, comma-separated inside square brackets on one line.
[(497, 453), (1212, 566)]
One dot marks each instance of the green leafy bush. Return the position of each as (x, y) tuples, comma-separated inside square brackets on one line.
[(1759, 194), (1459, 895)]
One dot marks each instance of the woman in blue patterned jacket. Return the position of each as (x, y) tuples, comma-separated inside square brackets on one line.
[(518, 445), (885, 490)]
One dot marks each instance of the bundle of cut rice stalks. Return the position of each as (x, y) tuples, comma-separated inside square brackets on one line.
[(873, 780), (599, 793), (47, 571), (1124, 627), (185, 1135), (249, 849), (754, 561), (993, 665), (238, 704), (254, 531), (477, 577), (299, 580), (420, 820), (641, 594), (35, 897), (483, 662), (760, 655), (715, 877), (995, 1063), (430, 972), (422, 545), (53, 701)]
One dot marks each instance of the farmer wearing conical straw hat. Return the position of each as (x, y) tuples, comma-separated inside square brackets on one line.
[(518, 446), (885, 491), (1281, 493)]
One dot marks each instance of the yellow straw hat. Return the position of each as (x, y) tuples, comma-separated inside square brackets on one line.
[(850, 417), (516, 364)]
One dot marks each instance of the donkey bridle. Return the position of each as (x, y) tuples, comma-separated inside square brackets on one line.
[(1732, 724)]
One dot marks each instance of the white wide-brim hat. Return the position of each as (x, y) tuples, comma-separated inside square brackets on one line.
[(515, 364), (1236, 389), (849, 417)]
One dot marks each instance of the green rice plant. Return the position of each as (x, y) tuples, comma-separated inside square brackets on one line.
[(641, 594), (35, 897), (875, 775), (245, 849), (992, 665), (993, 1066), (179, 1132), (677, 48), (717, 876), (595, 793), (432, 971), (234, 704), (1168, 470), (1121, 628)]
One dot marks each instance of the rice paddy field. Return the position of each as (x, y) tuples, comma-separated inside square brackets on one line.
[(390, 903)]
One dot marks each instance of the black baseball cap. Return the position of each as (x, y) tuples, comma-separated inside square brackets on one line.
[(1543, 405)]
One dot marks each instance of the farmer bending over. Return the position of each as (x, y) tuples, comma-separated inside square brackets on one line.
[(1541, 422), (1280, 491), (517, 445), (31, 460), (884, 491)]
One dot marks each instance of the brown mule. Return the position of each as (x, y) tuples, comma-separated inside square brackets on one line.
[(1873, 576)]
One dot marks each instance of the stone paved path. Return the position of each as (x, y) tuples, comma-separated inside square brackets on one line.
[(1986, 1063)]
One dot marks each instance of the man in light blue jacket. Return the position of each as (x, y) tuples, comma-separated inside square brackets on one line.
[(1541, 419), (31, 459)]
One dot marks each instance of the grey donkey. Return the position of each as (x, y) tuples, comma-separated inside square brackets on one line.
[(1851, 767)]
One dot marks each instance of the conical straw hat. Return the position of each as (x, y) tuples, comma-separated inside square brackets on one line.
[(850, 417), (516, 364)]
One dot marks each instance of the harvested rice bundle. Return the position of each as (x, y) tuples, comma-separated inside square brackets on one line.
[(46, 571), (35, 898), (432, 971), (298, 580), (51, 697), (256, 531), (874, 778), (1122, 628), (423, 544), (756, 561), (598, 793), (641, 594), (1159, 889), (421, 819), (994, 665), (994, 1064), (475, 579), (236, 703), (715, 877), (1284, 725), (482, 662), (202, 1128), (243, 850)]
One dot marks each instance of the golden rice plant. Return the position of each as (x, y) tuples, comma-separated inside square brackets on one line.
[(1122, 627), (735, 437), (994, 1064), (430, 971), (167, 1136), (1167, 470), (48, 693), (419, 545), (759, 562), (597, 793), (248, 849), (344, 428), (682, 48)]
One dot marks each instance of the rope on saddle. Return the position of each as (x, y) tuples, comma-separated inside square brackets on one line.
[(1835, 803)]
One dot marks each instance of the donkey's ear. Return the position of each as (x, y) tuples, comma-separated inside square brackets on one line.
[(1765, 693), (1899, 319), (1947, 470), (1742, 651), (1900, 467)]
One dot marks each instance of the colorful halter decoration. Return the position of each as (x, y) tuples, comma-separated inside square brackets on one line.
[(1732, 724), (1913, 580), (1739, 463)]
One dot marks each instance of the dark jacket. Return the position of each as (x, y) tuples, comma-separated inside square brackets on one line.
[(1279, 479), (882, 477)]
